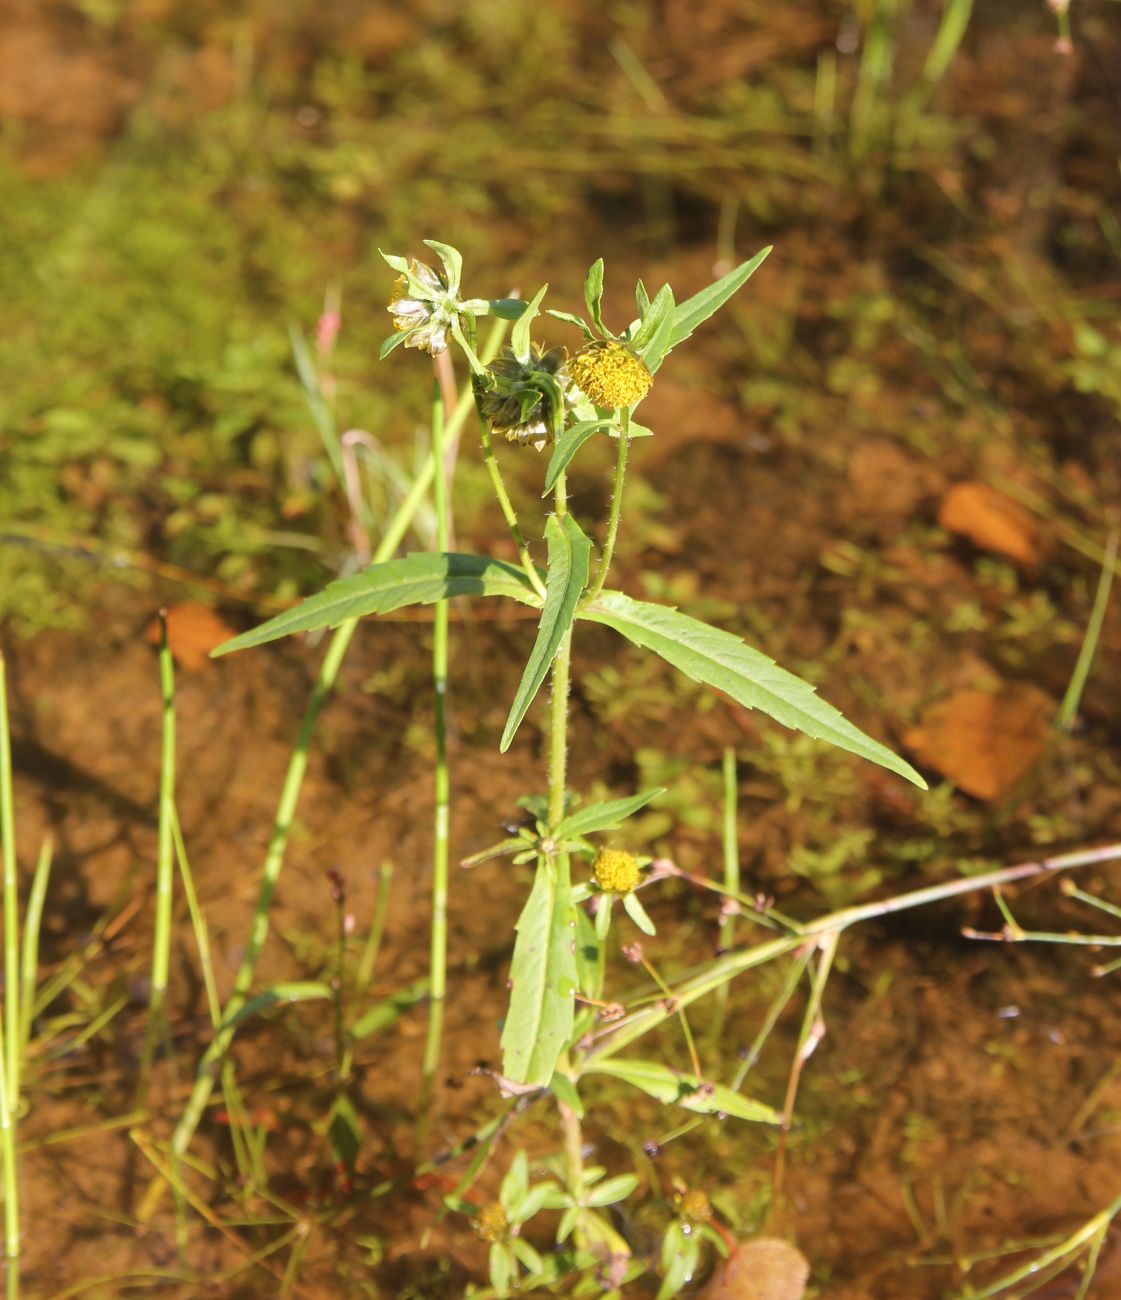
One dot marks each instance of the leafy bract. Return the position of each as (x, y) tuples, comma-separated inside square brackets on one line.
[(567, 576), (696, 310), (593, 293), (652, 339), (604, 816), (672, 1087), (419, 579), (519, 335), (568, 444), (542, 982), (719, 659)]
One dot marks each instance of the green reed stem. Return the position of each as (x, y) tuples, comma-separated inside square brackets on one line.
[(10, 1035), (616, 507), (1068, 710), (31, 927), (507, 507), (731, 871), (377, 929), (165, 851), (289, 796), (11, 900), (438, 948)]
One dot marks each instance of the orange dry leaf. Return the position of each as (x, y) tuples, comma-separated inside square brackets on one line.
[(983, 743), (192, 632), (764, 1269), (991, 521)]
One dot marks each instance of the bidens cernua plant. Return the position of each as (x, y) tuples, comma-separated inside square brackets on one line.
[(560, 1030)]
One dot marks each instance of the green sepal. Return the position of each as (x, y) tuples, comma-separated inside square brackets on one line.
[(565, 579), (570, 319), (638, 914), (394, 341), (452, 259), (519, 335), (593, 293)]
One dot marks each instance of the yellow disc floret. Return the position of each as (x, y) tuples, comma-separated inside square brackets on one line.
[(616, 871), (490, 1223), (610, 374)]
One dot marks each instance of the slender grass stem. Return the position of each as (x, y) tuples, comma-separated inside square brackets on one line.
[(165, 852), (10, 1033), (31, 927), (1068, 710), (13, 1041), (616, 508), (731, 872), (372, 945), (208, 1067), (438, 948)]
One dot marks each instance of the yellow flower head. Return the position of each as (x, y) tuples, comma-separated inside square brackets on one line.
[(490, 1223), (610, 374), (616, 871)]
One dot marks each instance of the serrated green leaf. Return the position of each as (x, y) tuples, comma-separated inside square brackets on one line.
[(593, 293), (394, 341), (696, 310), (519, 335), (543, 983), (569, 557), (419, 579), (453, 263), (389, 1010), (568, 444), (673, 1087), (604, 816), (719, 659)]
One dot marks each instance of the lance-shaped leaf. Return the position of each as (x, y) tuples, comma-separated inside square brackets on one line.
[(604, 816), (389, 1010), (568, 444), (419, 579), (696, 310), (672, 1087), (519, 335), (569, 555), (652, 340), (542, 982), (719, 659)]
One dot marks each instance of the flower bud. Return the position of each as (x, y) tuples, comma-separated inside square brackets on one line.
[(610, 374)]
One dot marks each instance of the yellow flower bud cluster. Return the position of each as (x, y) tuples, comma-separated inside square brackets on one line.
[(610, 374), (616, 871)]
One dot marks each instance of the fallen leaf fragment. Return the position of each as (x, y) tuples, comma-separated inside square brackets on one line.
[(193, 630), (983, 742), (991, 521), (764, 1269)]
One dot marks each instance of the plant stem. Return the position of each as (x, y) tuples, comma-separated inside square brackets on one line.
[(10, 1034), (731, 873), (209, 1064), (12, 1045), (438, 948), (165, 852), (616, 508), (507, 507)]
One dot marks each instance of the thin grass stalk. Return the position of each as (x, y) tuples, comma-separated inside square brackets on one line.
[(507, 507), (438, 946), (293, 782), (1068, 710), (369, 957), (31, 928), (165, 851), (198, 922), (14, 1039), (731, 856)]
